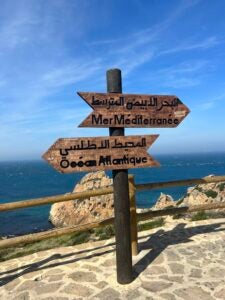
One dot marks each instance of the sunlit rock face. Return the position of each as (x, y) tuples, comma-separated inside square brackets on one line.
[(77, 212)]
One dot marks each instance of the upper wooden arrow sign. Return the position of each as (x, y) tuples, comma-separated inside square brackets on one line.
[(130, 110), (100, 153)]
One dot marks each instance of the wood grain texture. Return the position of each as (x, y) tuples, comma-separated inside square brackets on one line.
[(121, 197), (133, 216), (100, 153), (132, 110)]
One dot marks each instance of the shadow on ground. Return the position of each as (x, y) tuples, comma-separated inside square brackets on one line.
[(161, 239), (156, 244)]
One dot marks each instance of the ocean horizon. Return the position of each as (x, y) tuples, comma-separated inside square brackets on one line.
[(27, 179)]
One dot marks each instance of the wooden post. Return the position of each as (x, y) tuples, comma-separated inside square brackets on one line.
[(133, 216), (121, 198)]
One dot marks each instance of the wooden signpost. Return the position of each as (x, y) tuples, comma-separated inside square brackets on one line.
[(127, 110), (100, 153), (117, 152)]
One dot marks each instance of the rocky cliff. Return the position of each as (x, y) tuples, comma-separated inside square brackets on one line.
[(87, 210), (205, 194), (101, 207), (197, 195), (164, 201)]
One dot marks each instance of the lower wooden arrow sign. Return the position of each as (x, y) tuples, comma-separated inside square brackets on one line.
[(101, 153)]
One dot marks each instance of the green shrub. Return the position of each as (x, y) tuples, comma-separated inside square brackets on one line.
[(211, 193), (178, 216), (221, 186), (104, 233), (64, 240), (178, 202), (198, 188), (150, 225), (200, 215)]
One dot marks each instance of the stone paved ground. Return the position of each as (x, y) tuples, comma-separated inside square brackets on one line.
[(178, 261)]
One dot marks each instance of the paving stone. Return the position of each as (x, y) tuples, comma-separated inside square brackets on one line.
[(48, 288), (220, 261), (158, 260), (22, 296), (222, 254), (12, 284), (176, 268), (56, 298), (195, 257), (217, 272), (91, 268), (39, 278), (109, 263), (101, 284), (154, 270), (211, 285), (81, 276), (196, 248), (178, 279), (210, 246), (32, 274), (155, 286), (192, 293), (172, 256), (28, 285), (133, 294), (54, 271), (220, 294), (55, 277), (185, 252), (167, 296), (197, 273), (107, 294), (194, 263), (77, 290)]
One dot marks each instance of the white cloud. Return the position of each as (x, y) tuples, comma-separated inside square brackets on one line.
[(206, 43), (69, 74), (42, 54), (211, 103), (182, 75)]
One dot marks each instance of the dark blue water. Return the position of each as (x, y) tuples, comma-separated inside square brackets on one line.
[(31, 179)]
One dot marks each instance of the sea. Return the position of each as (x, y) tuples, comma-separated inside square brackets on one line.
[(21, 180)]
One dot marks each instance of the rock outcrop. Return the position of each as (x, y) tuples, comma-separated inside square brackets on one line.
[(198, 195), (101, 207), (205, 194), (164, 201), (88, 210)]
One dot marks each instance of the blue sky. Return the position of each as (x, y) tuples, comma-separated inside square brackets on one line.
[(51, 49)]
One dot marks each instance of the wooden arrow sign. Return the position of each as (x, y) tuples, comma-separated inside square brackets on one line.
[(100, 153), (130, 110)]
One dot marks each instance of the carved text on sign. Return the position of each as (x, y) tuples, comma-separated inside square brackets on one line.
[(128, 110)]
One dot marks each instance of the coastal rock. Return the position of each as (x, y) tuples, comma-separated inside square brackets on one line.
[(205, 194), (197, 195), (101, 207), (84, 211), (164, 201)]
